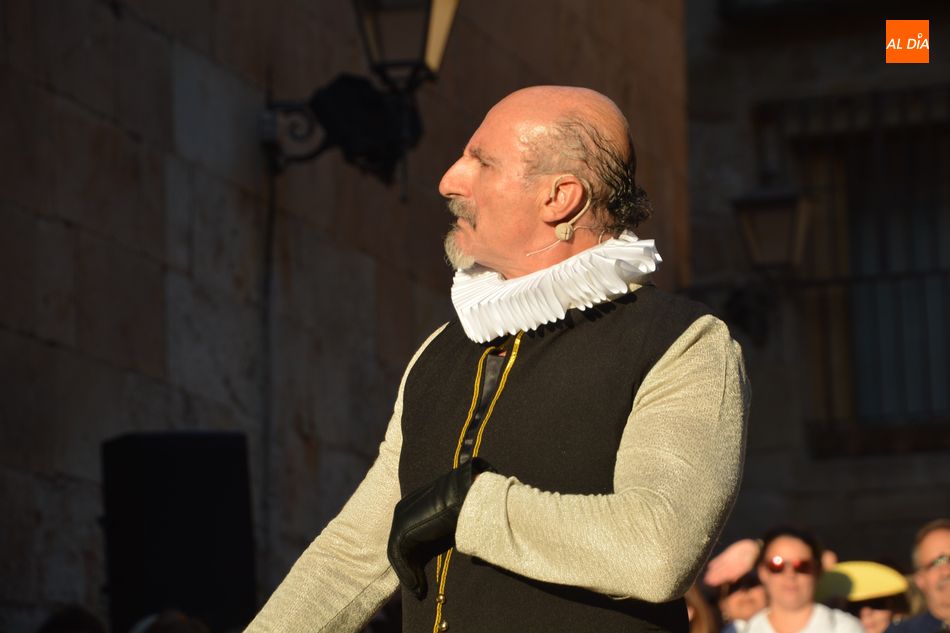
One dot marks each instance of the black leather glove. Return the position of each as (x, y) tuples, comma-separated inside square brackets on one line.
[(424, 523)]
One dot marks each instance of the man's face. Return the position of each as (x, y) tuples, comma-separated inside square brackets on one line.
[(933, 572), (496, 205)]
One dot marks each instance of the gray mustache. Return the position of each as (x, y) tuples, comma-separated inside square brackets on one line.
[(461, 209)]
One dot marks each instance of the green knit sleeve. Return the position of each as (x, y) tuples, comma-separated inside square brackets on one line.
[(677, 473)]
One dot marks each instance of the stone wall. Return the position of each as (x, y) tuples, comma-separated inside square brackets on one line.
[(133, 222), (863, 507)]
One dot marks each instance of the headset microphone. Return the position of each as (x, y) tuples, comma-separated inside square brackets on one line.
[(565, 230)]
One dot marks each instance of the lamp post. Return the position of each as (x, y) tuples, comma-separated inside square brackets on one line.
[(773, 223), (404, 41)]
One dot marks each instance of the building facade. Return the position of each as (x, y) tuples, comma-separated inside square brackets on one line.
[(847, 346), (154, 278)]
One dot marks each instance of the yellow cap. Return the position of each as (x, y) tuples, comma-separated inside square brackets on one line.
[(859, 580)]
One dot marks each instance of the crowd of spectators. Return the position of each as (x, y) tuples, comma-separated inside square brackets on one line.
[(785, 582)]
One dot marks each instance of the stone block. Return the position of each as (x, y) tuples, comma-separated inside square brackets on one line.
[(666, 72), (339, 473), (394, 317), (427, 264), (71, 562), (336, 17), (192, 412), (179, 214), (77, 40), (244, 38), (305, 52), (480, 67), (19, 38), (188, 22), (144, 95), (26, 151), (297, 506), (56, 262), (121, 315), (213, 345), (338, 397), (325, 285), (29, 404), (108, 183), (376, 220), (304, 189), (22, 617), (59, 406), (216, 118), (146, 405), (333, 476), (17, 268), (444, 137), (228, 237), (346, 311), (302, 394), (431, 308), (675, 11), (19, 523)]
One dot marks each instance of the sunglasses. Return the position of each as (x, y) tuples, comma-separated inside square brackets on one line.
[(777, 565)]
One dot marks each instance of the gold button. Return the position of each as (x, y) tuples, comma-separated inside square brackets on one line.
[(443, 626), (440, 599)]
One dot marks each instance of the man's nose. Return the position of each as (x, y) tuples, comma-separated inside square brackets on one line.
[(454, 182)]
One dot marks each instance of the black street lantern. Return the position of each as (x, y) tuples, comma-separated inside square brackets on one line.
[(405, 39), (404, 42), (774, 224)]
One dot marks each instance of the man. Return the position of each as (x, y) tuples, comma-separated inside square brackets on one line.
[(931, 558), (563, 454)]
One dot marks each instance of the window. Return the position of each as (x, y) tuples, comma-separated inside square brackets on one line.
[(874, 287)]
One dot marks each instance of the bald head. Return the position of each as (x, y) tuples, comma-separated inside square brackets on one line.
[(578, 130), (542, 106)]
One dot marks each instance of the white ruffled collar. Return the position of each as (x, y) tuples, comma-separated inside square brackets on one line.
[(490, 306)]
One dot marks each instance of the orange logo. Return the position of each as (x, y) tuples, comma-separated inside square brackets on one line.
[(907, 42)]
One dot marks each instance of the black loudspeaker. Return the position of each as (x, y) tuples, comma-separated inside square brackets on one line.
[(178, 528)]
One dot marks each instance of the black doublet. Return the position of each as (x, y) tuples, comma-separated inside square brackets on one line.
[(556, 425)]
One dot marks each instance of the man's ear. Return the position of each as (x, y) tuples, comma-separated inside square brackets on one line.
[(919, 580), (567, 197)]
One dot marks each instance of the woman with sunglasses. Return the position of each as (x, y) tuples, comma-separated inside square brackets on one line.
[(789, 565)]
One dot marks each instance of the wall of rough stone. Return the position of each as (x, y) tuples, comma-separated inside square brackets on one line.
[(133, 216), (861, 506)]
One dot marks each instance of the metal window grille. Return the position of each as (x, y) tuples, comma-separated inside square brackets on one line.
[(874, 286)]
